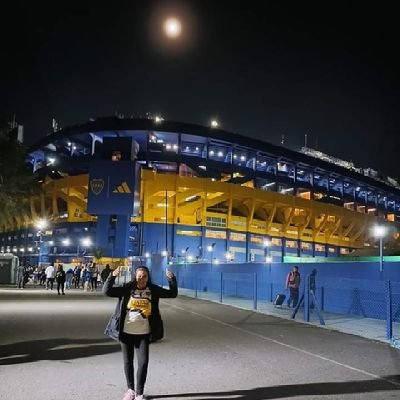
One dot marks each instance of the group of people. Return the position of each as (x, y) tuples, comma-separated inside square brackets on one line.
[(81, 276)]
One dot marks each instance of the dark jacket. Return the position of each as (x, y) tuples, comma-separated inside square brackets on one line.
[(60, 276), (114, 327)]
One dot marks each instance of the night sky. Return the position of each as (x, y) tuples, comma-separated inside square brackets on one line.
[(263, 70)]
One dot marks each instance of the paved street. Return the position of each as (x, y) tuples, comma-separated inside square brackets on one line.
[(52, 347)]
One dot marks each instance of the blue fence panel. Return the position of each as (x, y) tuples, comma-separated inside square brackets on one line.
[(395, 308)]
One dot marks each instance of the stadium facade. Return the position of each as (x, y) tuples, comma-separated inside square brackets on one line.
[(146, 187)]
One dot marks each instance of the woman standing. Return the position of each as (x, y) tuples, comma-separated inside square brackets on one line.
[(138, 321), (60, 279)]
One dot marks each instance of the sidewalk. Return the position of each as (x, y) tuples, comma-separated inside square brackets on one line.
[(364, 327)]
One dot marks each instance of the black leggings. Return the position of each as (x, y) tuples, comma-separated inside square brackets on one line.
[(140, 344), (60, 285)]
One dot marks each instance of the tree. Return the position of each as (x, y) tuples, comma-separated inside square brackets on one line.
[(17, 182), (98, 253)]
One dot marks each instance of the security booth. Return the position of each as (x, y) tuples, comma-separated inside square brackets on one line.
[(8, 268)]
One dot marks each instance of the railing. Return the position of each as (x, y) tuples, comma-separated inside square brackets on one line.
[(368, 308)]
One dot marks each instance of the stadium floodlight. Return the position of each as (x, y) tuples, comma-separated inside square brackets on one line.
[(41, 223), (86, 242), (66, 242)]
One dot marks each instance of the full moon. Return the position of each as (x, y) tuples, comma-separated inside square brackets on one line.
[(172, 27)]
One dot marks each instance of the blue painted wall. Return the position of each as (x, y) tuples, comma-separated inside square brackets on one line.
[(345, 288)]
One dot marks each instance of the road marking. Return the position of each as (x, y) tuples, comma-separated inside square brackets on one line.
[(309, 353)]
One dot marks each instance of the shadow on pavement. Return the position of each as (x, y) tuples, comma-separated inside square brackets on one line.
[(55, 349), (307, 389)]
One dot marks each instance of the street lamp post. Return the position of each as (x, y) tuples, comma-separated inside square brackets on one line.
[(211, 250), (40, 224), (380, 232)]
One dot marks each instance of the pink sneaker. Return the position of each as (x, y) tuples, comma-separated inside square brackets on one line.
[(130, 395)]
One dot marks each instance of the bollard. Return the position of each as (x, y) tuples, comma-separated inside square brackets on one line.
[(221, 288), (255, 292)]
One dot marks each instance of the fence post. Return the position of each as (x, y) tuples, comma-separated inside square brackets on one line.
[(389, 310), (255, 292), (307, 299), (322, 298), (196, 284), (271, 292), (221, 288)]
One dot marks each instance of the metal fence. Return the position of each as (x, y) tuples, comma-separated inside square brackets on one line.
[(362, 307)]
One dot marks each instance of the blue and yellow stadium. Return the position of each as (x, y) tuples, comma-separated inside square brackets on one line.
[(140, 187)]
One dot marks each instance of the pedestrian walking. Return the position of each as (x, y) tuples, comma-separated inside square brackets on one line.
[(68, 278), (77, 276), (136, 321), (94, 271), (105, 273), (50, 274), (60, 279), (293, 284), (21, 277)]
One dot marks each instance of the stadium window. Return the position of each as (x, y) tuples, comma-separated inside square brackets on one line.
[(215, 234), (256, 239), (188, 233), (291, 244), (320, 247), (299, 212), (237, 237), (390, 217), (306, 246), (344, 250), (216, 222), (331, 250), (276, 242)]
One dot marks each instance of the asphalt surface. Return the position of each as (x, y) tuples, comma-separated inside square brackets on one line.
[(52, 347)]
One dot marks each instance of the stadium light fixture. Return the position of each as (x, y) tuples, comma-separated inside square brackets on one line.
[(41, 223), (86, 242)]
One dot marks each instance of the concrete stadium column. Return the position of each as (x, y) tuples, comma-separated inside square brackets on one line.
[(283, 247), (122, 235), (102, 233)]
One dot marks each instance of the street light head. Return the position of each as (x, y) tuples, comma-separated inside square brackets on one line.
[(267, 243), (66, 242), (268, 259), (379, 231), (209, 248), (164, 253)]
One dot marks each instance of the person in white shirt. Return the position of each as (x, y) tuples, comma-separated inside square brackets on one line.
[(50, 273)]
